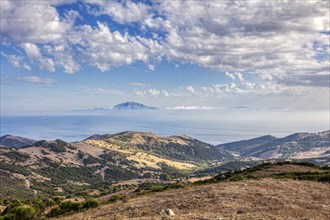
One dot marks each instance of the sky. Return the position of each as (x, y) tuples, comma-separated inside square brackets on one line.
[(60, 55)]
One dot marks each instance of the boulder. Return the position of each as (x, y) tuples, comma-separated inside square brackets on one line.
[(167, 212)]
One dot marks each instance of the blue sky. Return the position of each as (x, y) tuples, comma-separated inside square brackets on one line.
[(62, 55)]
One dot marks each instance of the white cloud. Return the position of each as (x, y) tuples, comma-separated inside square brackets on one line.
[(138, 84), (153, 93), (190, 108), (250, 36), (13, 59), (95, 90), (285, 38), (100, 91), (230, 75), (235, 76), (27, 67), (121, 12), (151, 67), (103, 48), (33, 53), (63, 56), (191, 89), (37, 80), (35, 22)]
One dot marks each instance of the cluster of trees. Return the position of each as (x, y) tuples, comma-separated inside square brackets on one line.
[(16, 156), (69, 206), (35, 209), (28, 210), (194, 151)]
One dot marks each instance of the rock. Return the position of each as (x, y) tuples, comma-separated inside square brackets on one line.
[(167, 212), (240, 211)]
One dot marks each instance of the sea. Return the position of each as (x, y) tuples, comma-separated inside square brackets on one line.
[(212, 126)]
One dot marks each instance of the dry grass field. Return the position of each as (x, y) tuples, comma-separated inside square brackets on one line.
[(141, 159), (253, 199)]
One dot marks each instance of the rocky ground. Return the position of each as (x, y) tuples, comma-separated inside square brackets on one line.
[(253, 199)]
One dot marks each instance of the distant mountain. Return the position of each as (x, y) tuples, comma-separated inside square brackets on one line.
[(132, 106), (291, 146), (15, 141)]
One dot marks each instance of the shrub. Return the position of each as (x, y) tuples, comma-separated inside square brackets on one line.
[(69, 206), (165, 177), (23, 212), (58, 199), (115, 198), (90, 203), (54, 212)]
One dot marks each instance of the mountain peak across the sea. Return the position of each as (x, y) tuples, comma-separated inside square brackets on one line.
[(132, 106)]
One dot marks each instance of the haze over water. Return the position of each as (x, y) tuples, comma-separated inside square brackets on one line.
[(212, 126)]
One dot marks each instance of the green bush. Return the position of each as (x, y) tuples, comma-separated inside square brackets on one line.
[(69, 206), (58, 199), (23, 212), (90, 203), (54, 212), (90, 160), (115, 198)]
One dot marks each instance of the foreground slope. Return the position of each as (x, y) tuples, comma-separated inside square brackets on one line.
[(253, 199)]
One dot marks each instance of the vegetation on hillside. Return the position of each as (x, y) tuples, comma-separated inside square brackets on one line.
[(321, 174)]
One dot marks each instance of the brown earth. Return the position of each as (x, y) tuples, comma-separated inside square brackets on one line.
[(253, 199)]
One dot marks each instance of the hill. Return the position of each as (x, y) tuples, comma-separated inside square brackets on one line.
[(90, 167), (119, 166), (258, 198), (132, 106), (174, 147), (292, 146), (15, 141)]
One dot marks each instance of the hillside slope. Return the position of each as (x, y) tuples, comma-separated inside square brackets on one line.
[(15, 141), (254, 199), (174, 147), (290, 146), (58, 168)]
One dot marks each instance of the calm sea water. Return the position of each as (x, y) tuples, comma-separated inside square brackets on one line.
[(212, 126)]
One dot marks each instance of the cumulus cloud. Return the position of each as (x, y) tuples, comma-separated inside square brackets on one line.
[(16, 60), (246, 88), (35, 22), (104, 48), (235, 76), (121, 11), (286, 38), (228, 36), (33, 53)]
